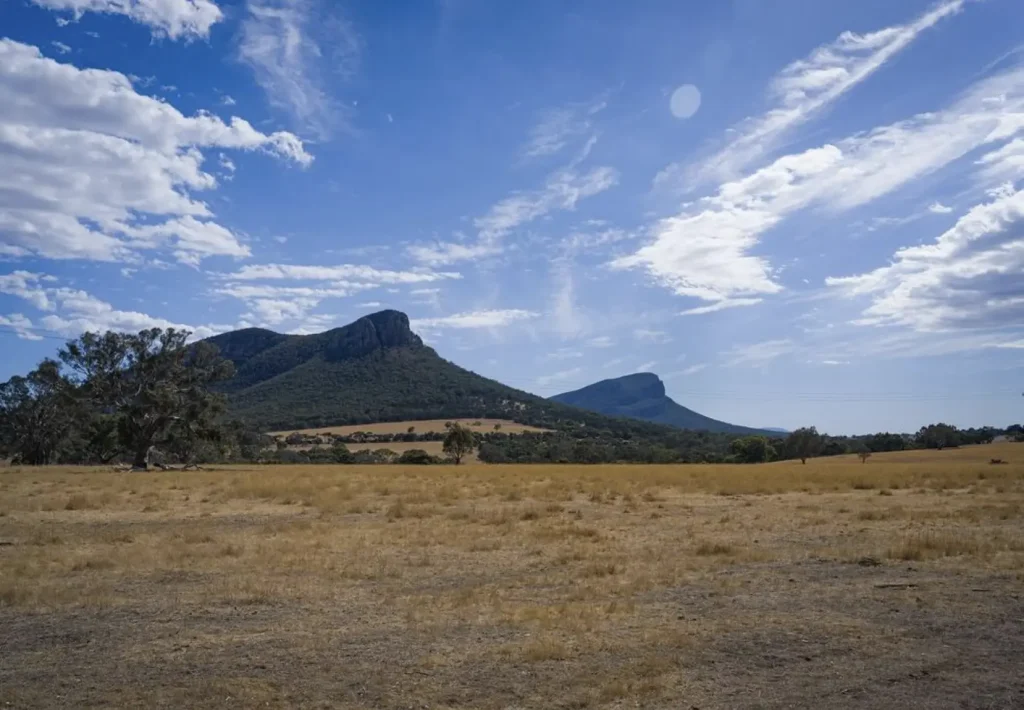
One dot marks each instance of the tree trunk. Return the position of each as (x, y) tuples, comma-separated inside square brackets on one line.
[(803, 460), (141, 462)]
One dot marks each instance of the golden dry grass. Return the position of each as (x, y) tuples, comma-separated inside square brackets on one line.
[(532, 586), (422, 426)]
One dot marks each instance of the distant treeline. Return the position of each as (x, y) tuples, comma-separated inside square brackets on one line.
[(151, 397)]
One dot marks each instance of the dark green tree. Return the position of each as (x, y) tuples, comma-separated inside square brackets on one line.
[(36, 415), (155, 385), (803, 444), (752, 449), (938, 436), (458, 442)]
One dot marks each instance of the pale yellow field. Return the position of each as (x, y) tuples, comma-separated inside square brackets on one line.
[(836, 584), (423, 426)]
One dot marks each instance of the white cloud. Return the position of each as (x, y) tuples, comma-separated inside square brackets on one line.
[(613, 362), (558, 127), (1006, 163), (94, 170), (562, 191), (370, 304), (971, 276), (187, 19), (694, 369), (759, 353), (1016, 345), (835, 362), (602, 341), (706, 250), (476, 319), (60, 47), (646, 366), (651, 336), (21, 326), (294, 47), (939, 208), (807, 87), (563, 354), (228, 100), (721, 306), (342, 272), (28, 286), (561, 376), (72, 311)]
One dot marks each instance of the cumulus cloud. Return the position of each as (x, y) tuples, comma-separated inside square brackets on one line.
[(186, 19), (293, 47), (707, 251), (20, 325), (71, 312), (94, 170), (807, 87), (939, 208), (971, 276)]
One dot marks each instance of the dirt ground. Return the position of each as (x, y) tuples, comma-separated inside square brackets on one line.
[(895, 583)]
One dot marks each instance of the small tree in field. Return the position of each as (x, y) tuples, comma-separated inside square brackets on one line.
[(410, 430), (864, 456), (804, 443), (458, 442)]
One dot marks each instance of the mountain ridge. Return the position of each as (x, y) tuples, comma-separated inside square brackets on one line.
[(642, 396)]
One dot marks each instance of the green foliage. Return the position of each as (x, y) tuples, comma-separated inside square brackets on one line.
[(417, 457), (803, 444), (753, 449), (36, 415), (458, 442), (156, 387), (938, 436)]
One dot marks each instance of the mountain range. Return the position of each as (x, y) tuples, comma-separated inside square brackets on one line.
[(377, 369), (642, 396)]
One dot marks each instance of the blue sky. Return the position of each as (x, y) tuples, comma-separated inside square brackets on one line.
[(797, 212)]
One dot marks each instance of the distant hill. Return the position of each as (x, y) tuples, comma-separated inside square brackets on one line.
[(376, 370), (642, 396)]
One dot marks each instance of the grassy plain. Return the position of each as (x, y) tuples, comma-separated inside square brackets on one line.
[(836, 584)]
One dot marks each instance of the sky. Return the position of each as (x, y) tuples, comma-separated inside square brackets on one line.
[(796, 213)]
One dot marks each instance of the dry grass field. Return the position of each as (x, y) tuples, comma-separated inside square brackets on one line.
[(832, 585), (422, 426)]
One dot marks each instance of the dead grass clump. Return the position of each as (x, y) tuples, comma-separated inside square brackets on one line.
[(543, 649), (936, 544), (713, 549), (81, 501)]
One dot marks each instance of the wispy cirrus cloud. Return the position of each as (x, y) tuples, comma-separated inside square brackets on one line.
[(295, 48), (707, 251), (563, 190), (804, 89), (560, 127), (495, 318)]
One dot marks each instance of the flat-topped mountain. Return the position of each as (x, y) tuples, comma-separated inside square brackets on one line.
[(642, 396)]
